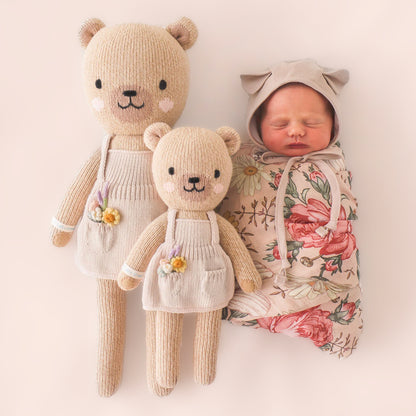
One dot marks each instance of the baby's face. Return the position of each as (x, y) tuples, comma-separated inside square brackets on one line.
[(297, 120)]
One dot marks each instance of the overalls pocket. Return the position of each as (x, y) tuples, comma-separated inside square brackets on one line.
[(214, 282), (170, 287), (99, 237)]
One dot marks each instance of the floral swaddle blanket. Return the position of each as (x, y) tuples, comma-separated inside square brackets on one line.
[(318, 296)]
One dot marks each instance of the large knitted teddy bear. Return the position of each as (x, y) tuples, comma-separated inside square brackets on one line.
[(134, 75), (189, 255)]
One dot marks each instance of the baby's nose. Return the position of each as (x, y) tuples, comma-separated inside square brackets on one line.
[(296, 130)]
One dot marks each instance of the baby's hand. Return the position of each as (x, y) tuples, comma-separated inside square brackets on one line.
[(60, 238), (126, 282)]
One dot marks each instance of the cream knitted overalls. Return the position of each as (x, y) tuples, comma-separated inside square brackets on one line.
[(207, 284), (126, 177)]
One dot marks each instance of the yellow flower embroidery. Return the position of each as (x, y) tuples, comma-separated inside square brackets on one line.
[(178, 264), (111, 216)]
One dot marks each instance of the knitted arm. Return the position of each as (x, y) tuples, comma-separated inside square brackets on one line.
[(246, 273), (74, 202), (140, 255)]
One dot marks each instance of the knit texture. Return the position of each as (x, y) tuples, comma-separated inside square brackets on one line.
[(126, 175), (168, 343), (134, 75), (207, 283), (206, 341), (192, 171), (151, 356), (112, 328), (73, 204)]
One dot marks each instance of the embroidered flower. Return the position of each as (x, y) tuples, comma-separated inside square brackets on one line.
[(111, 216), (96, 214), (178, 264), (174, 263), (98, 210), (167, 268), (93, 205), (247, 174)]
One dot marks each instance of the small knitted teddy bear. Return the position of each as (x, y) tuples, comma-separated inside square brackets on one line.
[(189, 255), (134, 75)]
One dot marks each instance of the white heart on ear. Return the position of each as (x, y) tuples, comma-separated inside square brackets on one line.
[(184, 31), (231, 139), (88, 30), (154, 133)]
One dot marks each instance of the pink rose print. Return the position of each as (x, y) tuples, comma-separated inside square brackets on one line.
[(306, 219), (311, 323), (330, 267), (350, 308), (277, 179), (276, 253), (313, 176)]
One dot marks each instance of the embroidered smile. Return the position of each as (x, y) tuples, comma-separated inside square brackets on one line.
[(194, 188), (130, 104)]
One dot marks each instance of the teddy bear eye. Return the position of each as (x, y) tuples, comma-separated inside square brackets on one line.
[(171, 171), (163, 84), (217, 173), (98, 83)]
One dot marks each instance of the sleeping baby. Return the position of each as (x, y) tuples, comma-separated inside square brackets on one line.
[(291, 202)]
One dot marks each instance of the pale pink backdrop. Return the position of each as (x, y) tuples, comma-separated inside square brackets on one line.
[(47, 308)]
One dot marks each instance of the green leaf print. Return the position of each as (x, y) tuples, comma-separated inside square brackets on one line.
[(352, 215), (269, 258), (291, 188), (303, 196)]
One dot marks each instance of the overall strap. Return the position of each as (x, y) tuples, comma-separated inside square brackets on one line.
[(215, 234), (170, 231), (103, 161)]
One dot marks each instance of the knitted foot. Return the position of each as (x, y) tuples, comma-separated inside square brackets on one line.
[(207, 336), (151, 356), (168, 341), (112, 327)]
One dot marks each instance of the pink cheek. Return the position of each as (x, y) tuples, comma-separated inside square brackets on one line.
[(97, 104), (218, 188), (166, 105), (169, 187)]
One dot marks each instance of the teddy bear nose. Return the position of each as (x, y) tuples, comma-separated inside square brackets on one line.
[(194, 179), (130, 93)]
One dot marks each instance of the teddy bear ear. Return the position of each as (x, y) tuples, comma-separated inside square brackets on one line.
[(336, 78), (88, 30), (252, 83), (231, 139), (154, 133), (184, 31)]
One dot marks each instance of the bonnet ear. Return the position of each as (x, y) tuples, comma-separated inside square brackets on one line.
[(184, 31), (231, 139), (154, 133), (254, 82), (88, 30), (336, 79)]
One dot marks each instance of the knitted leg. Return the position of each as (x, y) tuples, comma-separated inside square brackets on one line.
[(168, 342), (112, 328), (151, 356), (207, 336)]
